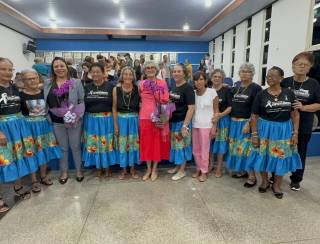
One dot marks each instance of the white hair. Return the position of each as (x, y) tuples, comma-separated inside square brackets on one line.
[(248, 66)]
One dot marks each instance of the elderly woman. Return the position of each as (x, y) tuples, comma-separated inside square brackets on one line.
[(203, 128), (17, 156), (274, 125), (154, 134), (307, 91), (34, 110), (182, 95), (125, 110), (98, 130), (220, 145), (239, 134), (62, 93)]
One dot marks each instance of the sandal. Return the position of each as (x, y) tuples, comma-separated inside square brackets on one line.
[(122, 175), (134, 174), (262, 189), (238, 176), (250, 183), (278, 195), (218, 174), (46, 181), (196, 174), (3, 207), (35, 187), (23, 194)]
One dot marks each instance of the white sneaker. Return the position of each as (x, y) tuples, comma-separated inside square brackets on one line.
[(173, 170), (178, 176)]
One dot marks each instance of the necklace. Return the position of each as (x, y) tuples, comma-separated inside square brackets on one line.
[(293, 85), (127, 96), (242, 92), (274, 96)]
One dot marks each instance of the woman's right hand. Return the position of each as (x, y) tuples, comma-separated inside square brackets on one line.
[(3, 139), (116, 130), (255, 141)]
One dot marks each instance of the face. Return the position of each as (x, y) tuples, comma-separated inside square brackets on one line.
[(97, 74), (165, 58), (6, 71), (301, 66), (177, 73), (217, 79), (246, 75), (31, 80), (200, 83), (127, 76), (108, 67), (150, 71), (273, 78), (60, 68)]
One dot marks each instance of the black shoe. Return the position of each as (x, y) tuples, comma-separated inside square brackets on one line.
[(263, 189), (63, 181), (278, 195), (271, 180), (295, 186), (79, 178), (238, 176), (249, 184)]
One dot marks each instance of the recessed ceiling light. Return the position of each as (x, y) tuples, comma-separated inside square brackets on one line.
[(53, 24), (186, 27), (116, 1), (207, 3)]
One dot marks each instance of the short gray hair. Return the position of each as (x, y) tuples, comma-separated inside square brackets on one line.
[(26, 71), (150, 63), (218, 71), (248, 66)]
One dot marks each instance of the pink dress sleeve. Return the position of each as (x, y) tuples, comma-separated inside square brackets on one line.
[(162, 94)]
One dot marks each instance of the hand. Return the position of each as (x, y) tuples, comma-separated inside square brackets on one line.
[(294, 139), (184, 131), (255, 141), (298, 105), (216, 118), (213, 132), (3, 139), (246, 128), (159, 124)]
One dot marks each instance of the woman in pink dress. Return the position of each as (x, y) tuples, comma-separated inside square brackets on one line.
[(154, 130)]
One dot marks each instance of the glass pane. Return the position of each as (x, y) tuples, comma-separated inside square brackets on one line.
[(234, 30), (316, 24), (222, 58), (249, 38), (267, 32), (265, 54), (268, 13), (234, 42), (263, 74), (232, 71), (248, 55), (233, 56), (249, 22)]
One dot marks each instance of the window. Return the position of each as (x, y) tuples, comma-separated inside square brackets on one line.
[(265, 54), (247, 50), (316, 23), (247, 54), (233, 52), (267, 32), (264, 61), (264, 74), (249, 38)]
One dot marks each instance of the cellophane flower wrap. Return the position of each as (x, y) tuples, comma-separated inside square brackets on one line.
[(71, 113)]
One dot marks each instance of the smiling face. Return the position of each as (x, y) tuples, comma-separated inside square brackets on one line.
[(178, 74), (31, 80), (60, 69), (151, 71), (6, 71), (200, 83), (96, 73), (217, 79), (246, 75), (127, 76)]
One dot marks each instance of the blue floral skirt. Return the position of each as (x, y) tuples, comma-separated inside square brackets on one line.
[(220, 144)]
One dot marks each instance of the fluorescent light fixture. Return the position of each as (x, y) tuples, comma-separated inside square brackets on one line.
[(116, 1), (207, 3), (317, 6), (186, 27), (314, 20)]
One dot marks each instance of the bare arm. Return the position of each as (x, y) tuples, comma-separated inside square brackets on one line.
[(187, 120), (114, 111), (295, 117), (253, 124)]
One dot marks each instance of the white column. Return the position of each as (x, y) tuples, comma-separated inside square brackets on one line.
[(241, 34), (217, 55), (289, 32), (227, 52)]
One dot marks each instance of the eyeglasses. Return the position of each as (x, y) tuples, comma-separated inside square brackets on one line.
[(150, 67), (302, 64), (31, 79), (272, 77), (8, 70)]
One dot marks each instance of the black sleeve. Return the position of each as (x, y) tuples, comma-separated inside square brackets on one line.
[(190, 96), (316, 92), (292, 98), (284, 83), (256, 104)]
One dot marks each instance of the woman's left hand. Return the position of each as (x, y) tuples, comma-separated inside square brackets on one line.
[(213, 132), (246, 128), (294, 139), (298, 105), (216, 118)]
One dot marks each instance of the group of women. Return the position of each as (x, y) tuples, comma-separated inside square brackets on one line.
[(256, 130)]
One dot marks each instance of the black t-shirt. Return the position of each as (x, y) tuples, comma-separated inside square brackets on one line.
[(126, 102), (54, 101), (242, 100), (9, 100), (98, 99), (225, 98), (182, 96), (273, 108), (307, 93), (33, 105)]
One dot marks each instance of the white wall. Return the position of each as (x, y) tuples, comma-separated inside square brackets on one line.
[(289, 30), (217, 56), (241, 41), (228, 36), (11, 47), (256, 47)]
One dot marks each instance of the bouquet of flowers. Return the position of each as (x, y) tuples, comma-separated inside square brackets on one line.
[(70, 113), (163, 113)]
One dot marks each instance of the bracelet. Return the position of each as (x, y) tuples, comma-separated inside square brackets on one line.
[(294, 132), (184, 126), (255, 136), (254, 133)]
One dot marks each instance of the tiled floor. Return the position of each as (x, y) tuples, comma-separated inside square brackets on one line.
[(132, 211)]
